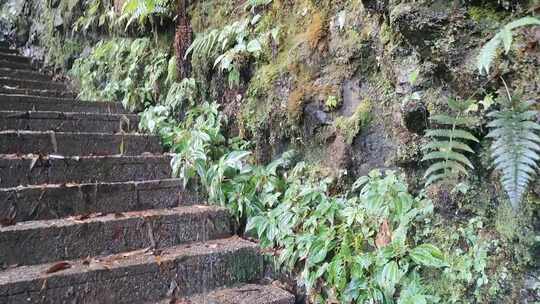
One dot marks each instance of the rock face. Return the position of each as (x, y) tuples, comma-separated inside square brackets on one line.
[(88, 213)]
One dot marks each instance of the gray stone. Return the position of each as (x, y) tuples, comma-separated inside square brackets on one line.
[(67, 143)]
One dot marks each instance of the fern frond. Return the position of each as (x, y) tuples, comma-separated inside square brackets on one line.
[(515, 150), (458, 121), (447, 146), (451, 133), (489, 50), (487, 54), (448, 155), (445, 165), (454, 145), (525, 21), (203, 44)]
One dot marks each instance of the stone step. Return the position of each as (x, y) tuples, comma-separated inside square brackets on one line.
[(37, 103), (36, 242), (242, 294), (68, 122), (15, 65), (31, 84), (135, 277), (67, 143), (7, 50), (37, 170), (38, 93), (15, 58), (54, 201), (22, 74)]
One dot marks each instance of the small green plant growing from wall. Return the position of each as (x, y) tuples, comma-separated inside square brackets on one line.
[(448, 144), (515, 149)]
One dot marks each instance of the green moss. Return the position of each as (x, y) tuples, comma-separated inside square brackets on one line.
[(349, 127), (213, 14), (485, 13)]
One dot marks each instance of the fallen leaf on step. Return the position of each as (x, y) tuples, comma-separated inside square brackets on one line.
[(87, 261), (119, 215), (82, 217), (7, 221), (58, 267), (33, 162)]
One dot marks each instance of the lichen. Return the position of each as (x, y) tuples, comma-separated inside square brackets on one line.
[(350, 127), (315, 30), (295, 103)]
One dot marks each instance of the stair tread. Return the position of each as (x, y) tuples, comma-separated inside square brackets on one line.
[(193, 265), (59, 121), (21, 102), (14, 57), (240, 294), (63, 115), (35, 169), (13, 81), (77, 143), (97, 234), (53, 201), (140, 256), (62, 93), (111, 217)]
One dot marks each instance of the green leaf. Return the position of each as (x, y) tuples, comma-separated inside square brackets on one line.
[(428, 255), (254, 46), (389, 278)]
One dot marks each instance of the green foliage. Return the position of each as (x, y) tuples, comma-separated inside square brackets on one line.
[(253, 4), (504, 36), (97, 14), (516, 148), (448, 144), (232, 42), (143, 11), (132, 71), (332, 102), (336, 240)]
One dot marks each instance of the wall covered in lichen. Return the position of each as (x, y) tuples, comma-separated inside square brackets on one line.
[(351, 85)]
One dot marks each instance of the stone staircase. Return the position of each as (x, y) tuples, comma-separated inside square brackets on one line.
[(89, 213)]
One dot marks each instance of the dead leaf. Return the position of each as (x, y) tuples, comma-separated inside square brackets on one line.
[(158, 260), (384, 237), (118, 215), (7, 221), (82, 217), (33, 162), (58, 267)]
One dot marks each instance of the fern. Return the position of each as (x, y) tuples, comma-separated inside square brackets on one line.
[(203, 44), (516, 148), (143, 10), (447, 145), (504, 36), (252, 4)]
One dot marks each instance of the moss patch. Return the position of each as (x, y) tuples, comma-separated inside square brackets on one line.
[(349, 127)]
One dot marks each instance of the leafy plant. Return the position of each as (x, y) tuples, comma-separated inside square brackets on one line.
[(448, 144), (143, 11), (516, 147), (96, 14), (253, 4), (231, 42), (353, 248), (504, 36), (132, 71)]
